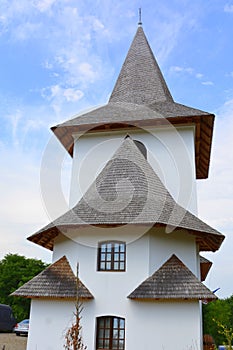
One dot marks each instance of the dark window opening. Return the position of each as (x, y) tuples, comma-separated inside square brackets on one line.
[(141, 147), (110, 333), (111, 256)]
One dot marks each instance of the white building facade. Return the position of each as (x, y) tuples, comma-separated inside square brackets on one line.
[(133, 225)]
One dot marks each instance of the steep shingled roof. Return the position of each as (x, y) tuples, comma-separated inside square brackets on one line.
[(173, 280), (140, 80), (128, 191), (141, 99), (56, 281)]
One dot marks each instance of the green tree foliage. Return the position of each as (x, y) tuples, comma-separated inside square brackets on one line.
[(15, 270), (216, 313)]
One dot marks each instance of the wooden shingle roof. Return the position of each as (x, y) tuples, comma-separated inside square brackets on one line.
[(56, 281), (141, 99), (205, 266), (172, 281), (128, 191)]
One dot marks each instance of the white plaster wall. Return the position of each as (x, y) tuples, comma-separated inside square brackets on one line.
[(148, 325), (163, 326), (145, 254), (180, 243), (49, 321), (170, 153)]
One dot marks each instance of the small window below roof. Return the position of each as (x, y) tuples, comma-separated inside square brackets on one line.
[(111, 256), (110, 333), (141, 147)]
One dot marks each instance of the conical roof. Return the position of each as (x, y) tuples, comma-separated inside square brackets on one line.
[(141, 99), (56, 281), (128, 191), (173, 280), (140, 80)]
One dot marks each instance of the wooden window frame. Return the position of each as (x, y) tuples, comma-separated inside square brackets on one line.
[(111, 256), (110, 333)]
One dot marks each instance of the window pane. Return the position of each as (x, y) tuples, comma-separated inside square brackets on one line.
[(116, 257), (103, 247), (100, 344), (101, 322), (109, 247), (106, 344), (115, 322), (121, 344), (115, 344), (122, 323), (122, 247), (121, 334), (108, 257), (102, 266), (107, 334), (122, 266), (116, 247), (108, 266), (107, 322), (122, 257)]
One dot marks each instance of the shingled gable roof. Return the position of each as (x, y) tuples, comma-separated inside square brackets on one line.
[(127, 191), (56, 281), (140, 99), (173, 280)]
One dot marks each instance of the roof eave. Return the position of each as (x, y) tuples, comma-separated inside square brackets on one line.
[(205, 241), (203, 134)]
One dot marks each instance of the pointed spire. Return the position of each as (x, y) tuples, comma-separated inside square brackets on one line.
[(140, 80), (140, 16)]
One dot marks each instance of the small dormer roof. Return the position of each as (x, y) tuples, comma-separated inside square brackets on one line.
[(56, 281), (141, 99), (173, 280), (128, 191)]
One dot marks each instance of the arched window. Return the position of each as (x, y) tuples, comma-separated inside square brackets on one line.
[(141, 147), (111, 256), (110, 333)]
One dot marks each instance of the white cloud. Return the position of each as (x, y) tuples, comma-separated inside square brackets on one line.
[(199, 75), (215, 198), (189, 71), (208, 82), (228, 8), (22, 213), (43, 5), (72, 95), (56, 92), (178, 69)]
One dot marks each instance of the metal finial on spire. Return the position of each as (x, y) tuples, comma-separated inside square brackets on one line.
[(140, 16)]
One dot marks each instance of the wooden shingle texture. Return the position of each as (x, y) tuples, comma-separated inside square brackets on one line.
[(172, 281), (141, 99), (56, 281), (128, 191)]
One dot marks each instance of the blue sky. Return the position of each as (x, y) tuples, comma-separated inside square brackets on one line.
[(59, 57)]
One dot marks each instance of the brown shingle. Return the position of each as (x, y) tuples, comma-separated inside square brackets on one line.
[(173, 280), (56, 281), (127, 191)]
